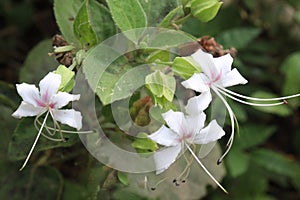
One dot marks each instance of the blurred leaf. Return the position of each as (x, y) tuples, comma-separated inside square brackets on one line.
[(128, 15), (65, 13), (125, 195), (156, 10), (67, 78), (291, 69), (38, 63), (93, 23), (237, 162), (205, 10), (159, 55), (24, 136), (8, 95), (32, 183), (123, 178), (73, 191), (281, 110), (185, 67), (143, 143), (277, 163), (238, 37), (254, 134), (167, 21)]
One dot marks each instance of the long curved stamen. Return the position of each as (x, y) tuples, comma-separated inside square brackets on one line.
[(36, 122), (204, 168), (35, 141), (250, 103), (57, 125), (257, 99), (232, 117)]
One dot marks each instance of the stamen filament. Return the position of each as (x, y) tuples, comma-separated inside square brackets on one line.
[(250, 103), (257, 99), (204, 168), (35, 141)]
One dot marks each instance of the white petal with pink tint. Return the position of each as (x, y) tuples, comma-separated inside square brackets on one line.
[(164, 136), (28, 110), (209, 134), (62, 98), (29, 93), (198, 103), (49, 86), (69, 116)]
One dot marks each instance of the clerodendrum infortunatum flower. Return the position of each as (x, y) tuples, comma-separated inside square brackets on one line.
[(48, 100), (216, 76), (184, 130)]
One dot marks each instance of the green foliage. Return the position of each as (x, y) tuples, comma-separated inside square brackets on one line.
[(205, 10), (143, 144), (185, 67), (67, 78)]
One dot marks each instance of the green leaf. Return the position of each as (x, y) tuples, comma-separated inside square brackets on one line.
[(123, 178), (24, 136), (128, 15), (254, 135), (237, 162), (67, 78), (277, 163), (38, 63), (144, 144), (281, 110), (73, 191), (93, 23), (238, 38), (167, 21), (161, 85), (159, 56), (65, 13), (185, 67), (156, 10), (291, 69), (205, 10)]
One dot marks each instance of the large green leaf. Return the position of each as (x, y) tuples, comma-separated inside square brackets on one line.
[(128, 15), (38, 63), (291, 69), (238, 37), (24, 136), (93, 23), (65, 13)]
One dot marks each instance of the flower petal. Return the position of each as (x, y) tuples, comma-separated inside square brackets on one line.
[(210, 133), (63, 98), (224, 63), (198, 82), (49, 86), (28, 110), (176, 121), (29, 93), (194, 124), (70, 117), (232, 78), (164, 158), (206, 62), (164, 136), (198, 104)]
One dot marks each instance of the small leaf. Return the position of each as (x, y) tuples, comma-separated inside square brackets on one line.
[(67, 78), (123, 178), (167, 21), (128, 15), (205, 10), (281, 110), (38, 63), (65, 13), (238, 37), (185, 67), (142, 142)]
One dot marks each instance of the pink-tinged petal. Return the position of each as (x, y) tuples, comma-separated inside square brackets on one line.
[(197, 82), (209, 134), (176, 121), (232, 78), (29, 93), (164, 136), (224, 63), (206, 63), (70, 117), (164, 158), (49, 86), (62, 98), (28, 110), (198, 104), (194, 124)]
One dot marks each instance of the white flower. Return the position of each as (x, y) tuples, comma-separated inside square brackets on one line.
[(184, 130), (216, 76), (48, 99)]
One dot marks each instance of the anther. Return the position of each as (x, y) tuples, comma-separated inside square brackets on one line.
[(285, 102), (183, 181), (153, 188), (219, 161)]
